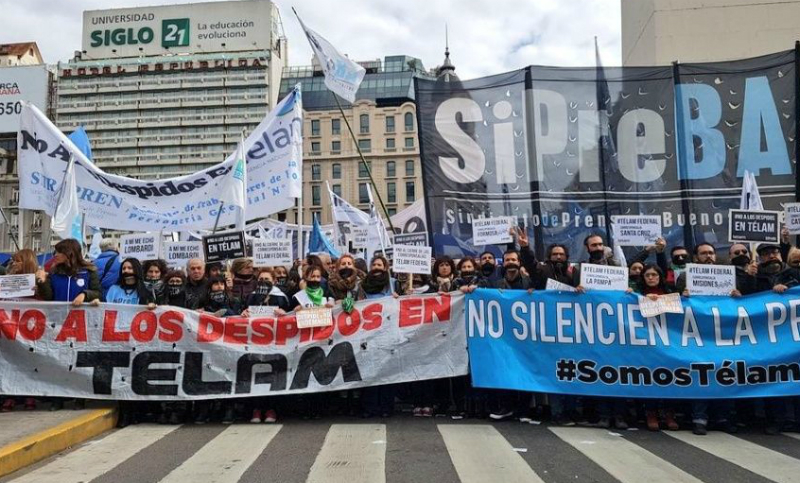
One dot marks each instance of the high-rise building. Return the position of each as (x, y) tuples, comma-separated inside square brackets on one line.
[(658, 32), (383, 120), (165, 91), (23, 77)]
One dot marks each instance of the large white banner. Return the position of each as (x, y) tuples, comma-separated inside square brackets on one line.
[(129, 353), (274, 160)]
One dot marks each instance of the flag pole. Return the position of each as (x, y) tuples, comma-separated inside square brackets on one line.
[(364, 161)]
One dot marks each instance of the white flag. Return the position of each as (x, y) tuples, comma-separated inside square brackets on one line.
[(751, 199), (377, 238), (67, 217), (342, 75), (234, 190)]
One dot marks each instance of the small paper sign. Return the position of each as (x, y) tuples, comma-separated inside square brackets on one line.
[(664, 304), (225, 246), (13, 286), (359, 236), (314, 317), (754, 226), (262, 310), (604, 277), (177, 254), (636, 231), (142, 246), (419, 239), (492, 231), (702, 279), (792, 211), (411, 259), (556, 285), (272, 253)]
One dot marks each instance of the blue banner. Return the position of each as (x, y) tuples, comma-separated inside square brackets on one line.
[(599, 344)]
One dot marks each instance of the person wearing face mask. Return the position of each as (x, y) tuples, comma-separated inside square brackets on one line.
[(281, 275), (344, 282), (679, 257), (598, 255), (266, 293), (175, 288), (469, 278), (746, 268), (513, 278), (378, 282), (244, 280), (488, 267), (313, 294), (555, 266), (154, 271), (130, 288), (219, 301)]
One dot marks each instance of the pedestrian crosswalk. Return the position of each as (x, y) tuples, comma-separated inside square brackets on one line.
[(407, 449)]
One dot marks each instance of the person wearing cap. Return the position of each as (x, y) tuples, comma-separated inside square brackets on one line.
[(772, 273)]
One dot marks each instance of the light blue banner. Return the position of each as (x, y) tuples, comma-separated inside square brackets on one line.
[(599, 344)]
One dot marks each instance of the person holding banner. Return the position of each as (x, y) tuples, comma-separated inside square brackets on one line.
[(266, 294), (598, 255), (746, 268), (704, 254), (468, 276), (489, 268), (154, 271), (130, 288), (175, 288), (345, 282), (219, 301), (71, 279), (772, 273), (313, 294), (378, 282), (244, 280), (513, 278), (108, 263), (443, 274), (196, 283), (556, 265)]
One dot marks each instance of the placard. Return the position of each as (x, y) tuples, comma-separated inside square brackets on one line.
[(411, 259), (314, 317), (664, 304), (556, 285), (636, 231), (419, 239), (702, 279), (358, 236), (142, 246), (262, 310), (225, 246), (177, 254), (792, 217), (754, 226), (272, 253), (13, 286), (603, 277), (492, 231)]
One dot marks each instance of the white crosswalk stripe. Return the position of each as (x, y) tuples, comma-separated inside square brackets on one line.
[(225, 458), (482, 455), (621, 458), (750, 456), (792, 435), (351, 453), (97, 457)]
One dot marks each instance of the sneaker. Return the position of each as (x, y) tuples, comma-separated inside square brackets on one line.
[(620, 424), (271, 416), (652, 421), (229, 416), (700, 429), (417, 412), (427, 412), (256, 419), (30, 404), (501, 415), (8, 405)]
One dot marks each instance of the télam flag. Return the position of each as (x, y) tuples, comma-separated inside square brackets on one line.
[(342, 75), (234, 190), (751, 199)]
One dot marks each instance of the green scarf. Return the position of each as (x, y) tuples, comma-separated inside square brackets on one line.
[(315, 295)]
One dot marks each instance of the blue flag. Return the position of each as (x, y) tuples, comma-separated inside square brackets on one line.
[(81, 140), (319, 243)]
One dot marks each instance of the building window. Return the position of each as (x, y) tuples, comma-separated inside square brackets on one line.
[(315, 195), (409, 121), (336, 171), (410, 191), (317, 215), (315, 147), (315, 127), (389, 143), (392, 211), (391, 169), (410, 143), (336, 126), (316, 172), (337, 189), (410, 168), (336, 147), (14, 197), (362, 170), (389, 124), (364, 120), (363, 194), (391, 193), (365, 145)]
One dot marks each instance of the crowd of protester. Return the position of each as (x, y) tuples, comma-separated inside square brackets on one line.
[(320, 281)]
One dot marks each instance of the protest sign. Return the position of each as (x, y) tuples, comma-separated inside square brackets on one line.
[(359, 235), (491, 231), (177, 254), (754, 226), (272, 253), (792, 217), (556, 285), (225, 246), (664, 304), (603, 277), (636, 230), (142, 246), (704, 279), (418, 239), (411, 259), (88, 352), (262, 311), (13, 286), (314, 317)]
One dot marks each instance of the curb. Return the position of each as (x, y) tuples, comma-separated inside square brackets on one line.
[(36, 447)]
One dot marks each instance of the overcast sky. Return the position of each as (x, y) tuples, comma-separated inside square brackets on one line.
[(486, 37)]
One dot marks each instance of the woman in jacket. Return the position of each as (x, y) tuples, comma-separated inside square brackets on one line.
[(244, 280), (71, 278), (154, 272), (345, 282), (378, 282), (130, 288)]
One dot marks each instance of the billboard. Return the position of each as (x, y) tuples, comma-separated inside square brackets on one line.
[(18, 84), (198, 27)]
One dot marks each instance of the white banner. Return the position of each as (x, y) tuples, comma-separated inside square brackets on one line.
[(142, 246), (636, 231), (272, 253), (702, 279), (177, 254), (54, 349), (274, 162), (603, 277), (492, 231)]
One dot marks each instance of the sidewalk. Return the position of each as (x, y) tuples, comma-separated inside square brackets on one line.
[(29, 436)]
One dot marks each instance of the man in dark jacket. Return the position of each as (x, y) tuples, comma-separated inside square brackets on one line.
[(598, 255), (108, 264), (513, 278), (488, 268), (555, 266), (196, 284)]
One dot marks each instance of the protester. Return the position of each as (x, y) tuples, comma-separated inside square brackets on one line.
[(154, 271), (130, 288), (634, 274), (489, 268), (443, 273), (379, 282), (108, 264), (214, 269), (345, 282), (175, 288), (513, 278), (598, 255), (196, 283), (746, 268), (266, 293), (244, 281), (219, 301), (469, 278), (72, 278), (312, 294)]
